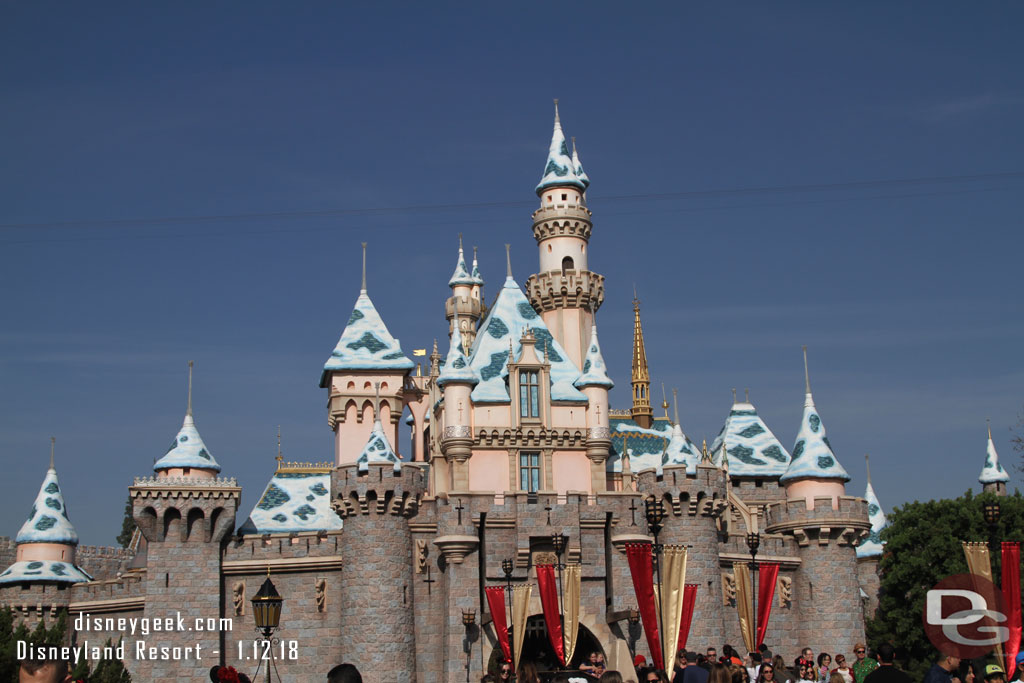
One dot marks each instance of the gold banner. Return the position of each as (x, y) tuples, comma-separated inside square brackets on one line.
[(520, 610), (980, 564), (744, 608), (571, 607), (673, 583)]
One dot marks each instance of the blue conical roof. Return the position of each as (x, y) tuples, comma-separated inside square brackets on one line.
[(187, 450), (595, 373), (456, 365), (378, 449), (872, 545), (813, 457), (578, 167), (366, 344), (992, 472), (48, 521), (461, 276), (559, 169), (749, 446), (503, 329)]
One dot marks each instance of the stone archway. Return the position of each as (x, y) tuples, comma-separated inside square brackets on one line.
[(537, 647)]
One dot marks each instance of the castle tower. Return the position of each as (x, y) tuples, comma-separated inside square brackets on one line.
[(377, 625), (993, 477), (456, 380), (595, 384), (641, 377), (366, 355), (565, 292), (465, 301), (46, 542), (826, 525), (869, 552), (186, 515)]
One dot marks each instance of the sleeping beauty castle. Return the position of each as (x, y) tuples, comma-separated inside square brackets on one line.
[(517, 461)]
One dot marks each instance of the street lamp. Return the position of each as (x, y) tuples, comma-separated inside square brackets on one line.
[(558, 543), (633, 619), (654, 511), (753, 543), (266, 612), (990, 511), (507, 567), (469, 621)]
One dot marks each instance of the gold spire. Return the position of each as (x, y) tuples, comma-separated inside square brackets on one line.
[(641, 380), (664, 400)]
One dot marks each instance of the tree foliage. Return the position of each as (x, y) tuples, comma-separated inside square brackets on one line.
[(56, 634), (127, 525), (922, 547)]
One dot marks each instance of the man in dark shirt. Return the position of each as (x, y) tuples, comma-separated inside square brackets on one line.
[(886, 671), (941, 670), (693, 673)]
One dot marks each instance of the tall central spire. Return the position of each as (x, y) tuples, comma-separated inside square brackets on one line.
[(641, 379)]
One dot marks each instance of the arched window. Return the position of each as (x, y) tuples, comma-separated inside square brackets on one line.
[(567, 264)]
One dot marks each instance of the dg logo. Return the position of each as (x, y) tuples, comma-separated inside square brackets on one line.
[(963, 616)]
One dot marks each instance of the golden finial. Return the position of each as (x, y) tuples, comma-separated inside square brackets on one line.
[(363, 290), (53, 446), (664, 400), (704, 455), (188, 410)]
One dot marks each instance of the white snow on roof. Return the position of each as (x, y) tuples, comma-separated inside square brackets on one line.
[(475, 275), (377, 449), (682, 451), (504, 326), (559, 169), (48, 521), (366, 344), (43, 570), (456, 365), (813, 457), (293, 501), (595, 373), (461, 276), (187, 450), (751, 448), (580, 173), (872, 545), (992, 472)]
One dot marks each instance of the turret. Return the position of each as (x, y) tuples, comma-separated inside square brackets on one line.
[(457, 380), (993, 477), (465, 301), (188, 456), (869, 551), (564, 291), (641, 411), (365, 355), (595, 384)]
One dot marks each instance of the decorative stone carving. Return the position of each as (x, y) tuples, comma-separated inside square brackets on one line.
[(544, 557), (785, 591), (457, 432), (599, 433), (728, 589), (455, 547), (421, 556), (321, 595), (238, 598)]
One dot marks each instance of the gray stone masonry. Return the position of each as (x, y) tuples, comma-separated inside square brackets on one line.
[(870, 582)]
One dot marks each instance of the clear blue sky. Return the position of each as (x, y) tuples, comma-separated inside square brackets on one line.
[(440, 115)]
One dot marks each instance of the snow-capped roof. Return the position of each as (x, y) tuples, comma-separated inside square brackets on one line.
[(753, 451), (43, 570), (475, 274), (461, 276), (48, 521), (559, 169), (510, 315), (578, 167), (293, 501), (456, 365), (992, 472), (595, 373), (813, 457), (872, 545), (366, 344), (681, 451), (377, 449), (187, 450), (645, 447)]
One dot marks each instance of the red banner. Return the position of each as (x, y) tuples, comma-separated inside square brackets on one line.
[(549, 603), (496, 602), (640, 567), (767, 575), (1011, 599), (689, 600)]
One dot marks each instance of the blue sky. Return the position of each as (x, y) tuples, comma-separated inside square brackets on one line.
[(193, 181)]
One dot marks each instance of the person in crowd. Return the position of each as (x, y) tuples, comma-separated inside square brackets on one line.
[(864, 664), (228, 673), (344, 673), (719, 673), (941, 671), (824, 667), (695, 672), (739, 674), (754, 668), (843, 668), (712, 656), (504, 671), (1018, 675), (488, 678), (965, 674), (886, 671), (594, 666), (805, 671), (807, 654), (654, 676), (730, 653), (767, 673), (679, 666), (528, 673), (561, 678), (611, 677), (782, 672), (994, 674), (43, 671)]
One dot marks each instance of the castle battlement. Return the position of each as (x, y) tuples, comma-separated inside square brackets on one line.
[(848, 521)]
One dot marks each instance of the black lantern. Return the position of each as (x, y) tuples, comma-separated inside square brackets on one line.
[(991, 512), (654, 511), (558, 543), (266, 608), (753, 543), (468, 617)]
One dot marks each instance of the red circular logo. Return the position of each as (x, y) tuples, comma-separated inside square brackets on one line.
[(964, 616)]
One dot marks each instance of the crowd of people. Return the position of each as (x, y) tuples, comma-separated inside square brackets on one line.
[(767, 667)]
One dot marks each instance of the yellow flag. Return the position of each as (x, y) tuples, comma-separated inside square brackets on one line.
[(419, 352)]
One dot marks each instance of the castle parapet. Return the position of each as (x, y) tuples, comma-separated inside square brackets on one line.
[(847, 522)]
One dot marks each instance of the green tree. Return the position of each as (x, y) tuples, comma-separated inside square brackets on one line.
[(923, 547), (127, 525)]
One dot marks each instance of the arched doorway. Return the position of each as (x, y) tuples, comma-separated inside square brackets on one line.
[(537, 647)]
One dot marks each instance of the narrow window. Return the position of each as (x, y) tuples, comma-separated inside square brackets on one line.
[(564, 197), (567, 264), (529, 394), (529, 472)]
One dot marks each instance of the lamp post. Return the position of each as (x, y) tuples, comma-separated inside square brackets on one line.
[(469, 621), (654, 511), (558, 543), (266, 612), (753, 543), (508, 567)]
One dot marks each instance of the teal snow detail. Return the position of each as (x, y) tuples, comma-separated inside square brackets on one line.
[(366, 344), (190, 452), (595, 373), (273, 497), (872, 546), (41, 527), (993, 472), (296, 509), (752, 449), (813, 457)]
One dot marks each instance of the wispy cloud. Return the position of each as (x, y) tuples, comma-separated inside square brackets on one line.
[(968, 105)]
